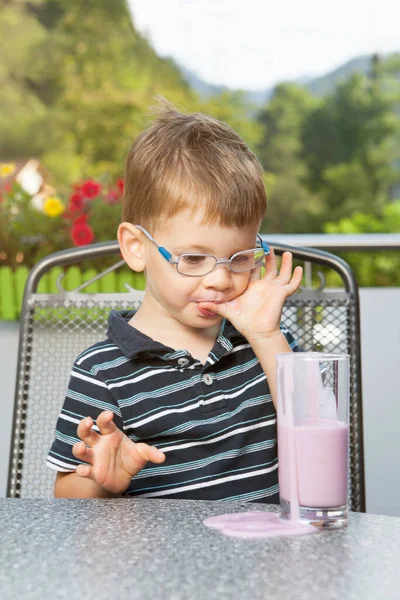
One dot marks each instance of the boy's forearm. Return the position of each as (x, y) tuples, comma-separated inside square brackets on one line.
[(70, 485), (266, 351)]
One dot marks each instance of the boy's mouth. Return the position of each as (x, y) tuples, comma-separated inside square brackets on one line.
[(206, 313), (207, 300)]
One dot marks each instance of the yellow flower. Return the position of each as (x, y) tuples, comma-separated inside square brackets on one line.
[(53, 207), (7, 169)]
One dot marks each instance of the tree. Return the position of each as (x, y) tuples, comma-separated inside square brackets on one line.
[(372, 268), (292, 208), (348, 144), (21, 109), (84, 79)]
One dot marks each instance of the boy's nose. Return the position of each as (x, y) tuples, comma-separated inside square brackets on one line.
[(220, 277)]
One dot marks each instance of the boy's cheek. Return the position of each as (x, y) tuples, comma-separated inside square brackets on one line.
[(255, 275), (244, 288)]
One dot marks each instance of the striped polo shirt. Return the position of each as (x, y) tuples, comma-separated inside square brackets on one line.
[(215, 422)]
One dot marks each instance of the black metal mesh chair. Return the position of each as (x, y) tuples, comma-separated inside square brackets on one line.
[(57, 327)]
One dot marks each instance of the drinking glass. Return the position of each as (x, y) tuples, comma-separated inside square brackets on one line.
[(313, 437)]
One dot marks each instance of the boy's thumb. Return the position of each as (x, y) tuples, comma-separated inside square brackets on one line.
[(149, 453)]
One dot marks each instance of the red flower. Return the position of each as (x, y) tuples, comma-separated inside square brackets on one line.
[(112, 197), (120, 185), (76, 203), (81, 220), (82, 234), (91, 189)]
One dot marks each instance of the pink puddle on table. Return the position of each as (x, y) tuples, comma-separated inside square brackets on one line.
[(257, 524)]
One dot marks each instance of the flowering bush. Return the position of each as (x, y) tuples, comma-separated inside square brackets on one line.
[(32, 226)]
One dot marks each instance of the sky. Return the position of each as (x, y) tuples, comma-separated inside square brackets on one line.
[(254, 44)]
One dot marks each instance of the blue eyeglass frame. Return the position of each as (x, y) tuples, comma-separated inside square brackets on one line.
[(168, 256)]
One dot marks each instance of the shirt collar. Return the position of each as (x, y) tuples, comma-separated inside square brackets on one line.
[(132, 342)]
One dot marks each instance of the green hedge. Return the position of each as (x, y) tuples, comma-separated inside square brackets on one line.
[(12, 283)]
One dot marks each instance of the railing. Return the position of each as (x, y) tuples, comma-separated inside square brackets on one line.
[(12, 282), (343, 242), (332, 242)]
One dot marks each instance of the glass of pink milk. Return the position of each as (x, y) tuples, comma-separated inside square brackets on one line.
[(313, 437)]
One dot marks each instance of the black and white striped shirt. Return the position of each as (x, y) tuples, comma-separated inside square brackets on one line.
[(215, 422)]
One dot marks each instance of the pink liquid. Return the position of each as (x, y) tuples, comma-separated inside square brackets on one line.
[(257, 524), (320, 475)]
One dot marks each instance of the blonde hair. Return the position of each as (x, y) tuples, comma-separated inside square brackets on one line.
[(192, 161)]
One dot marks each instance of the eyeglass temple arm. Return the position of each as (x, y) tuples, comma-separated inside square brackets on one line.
[(264, 246), (167, 255)]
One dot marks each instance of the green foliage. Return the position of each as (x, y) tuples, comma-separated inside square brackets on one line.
[(78, 85), (282, 122), (329, 158), (349, 143), (292, 208), (372, 268), (21, 109)]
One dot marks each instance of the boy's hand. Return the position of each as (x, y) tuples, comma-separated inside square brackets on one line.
[(113, 458), (256, 313)]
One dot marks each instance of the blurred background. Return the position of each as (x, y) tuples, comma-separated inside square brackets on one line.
[(315, 94), (313, 89)]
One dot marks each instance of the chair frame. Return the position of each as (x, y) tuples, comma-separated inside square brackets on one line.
[(107, 249)]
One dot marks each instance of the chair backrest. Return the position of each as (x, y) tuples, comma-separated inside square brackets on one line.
[(56, 327)]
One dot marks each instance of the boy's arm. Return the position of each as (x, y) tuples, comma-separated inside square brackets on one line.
[(257, 312), (266, 351), (70, 485)]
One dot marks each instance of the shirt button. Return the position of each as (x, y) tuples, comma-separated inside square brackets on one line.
[(182, 362), (207, 379)]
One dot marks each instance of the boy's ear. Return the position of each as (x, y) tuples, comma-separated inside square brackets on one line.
[(130, 240)]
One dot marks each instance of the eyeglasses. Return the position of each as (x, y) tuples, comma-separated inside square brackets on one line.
[(199, 265)]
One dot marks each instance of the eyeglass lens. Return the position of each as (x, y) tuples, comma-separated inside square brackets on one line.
[(201, 264)]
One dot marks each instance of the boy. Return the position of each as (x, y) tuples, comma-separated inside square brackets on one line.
[(177, 402)]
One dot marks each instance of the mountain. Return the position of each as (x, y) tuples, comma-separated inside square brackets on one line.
[(204, 89), (319, 86)]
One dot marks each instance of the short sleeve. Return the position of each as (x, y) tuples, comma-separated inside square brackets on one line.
[(294, 346), (87, 395)]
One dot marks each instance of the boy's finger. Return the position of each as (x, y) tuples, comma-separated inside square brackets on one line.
[(105, 422), (86, 433), (285, 273), (271, 270), (295, 282), (149, 453), (84, 471), (81, 451)]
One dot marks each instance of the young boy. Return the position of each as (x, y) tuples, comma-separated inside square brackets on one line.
[(178, 401)]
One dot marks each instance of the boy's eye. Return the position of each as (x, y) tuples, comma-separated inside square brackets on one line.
[(242, 259), (193, 259)]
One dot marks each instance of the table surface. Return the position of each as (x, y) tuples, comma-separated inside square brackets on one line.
[(159, 549)]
